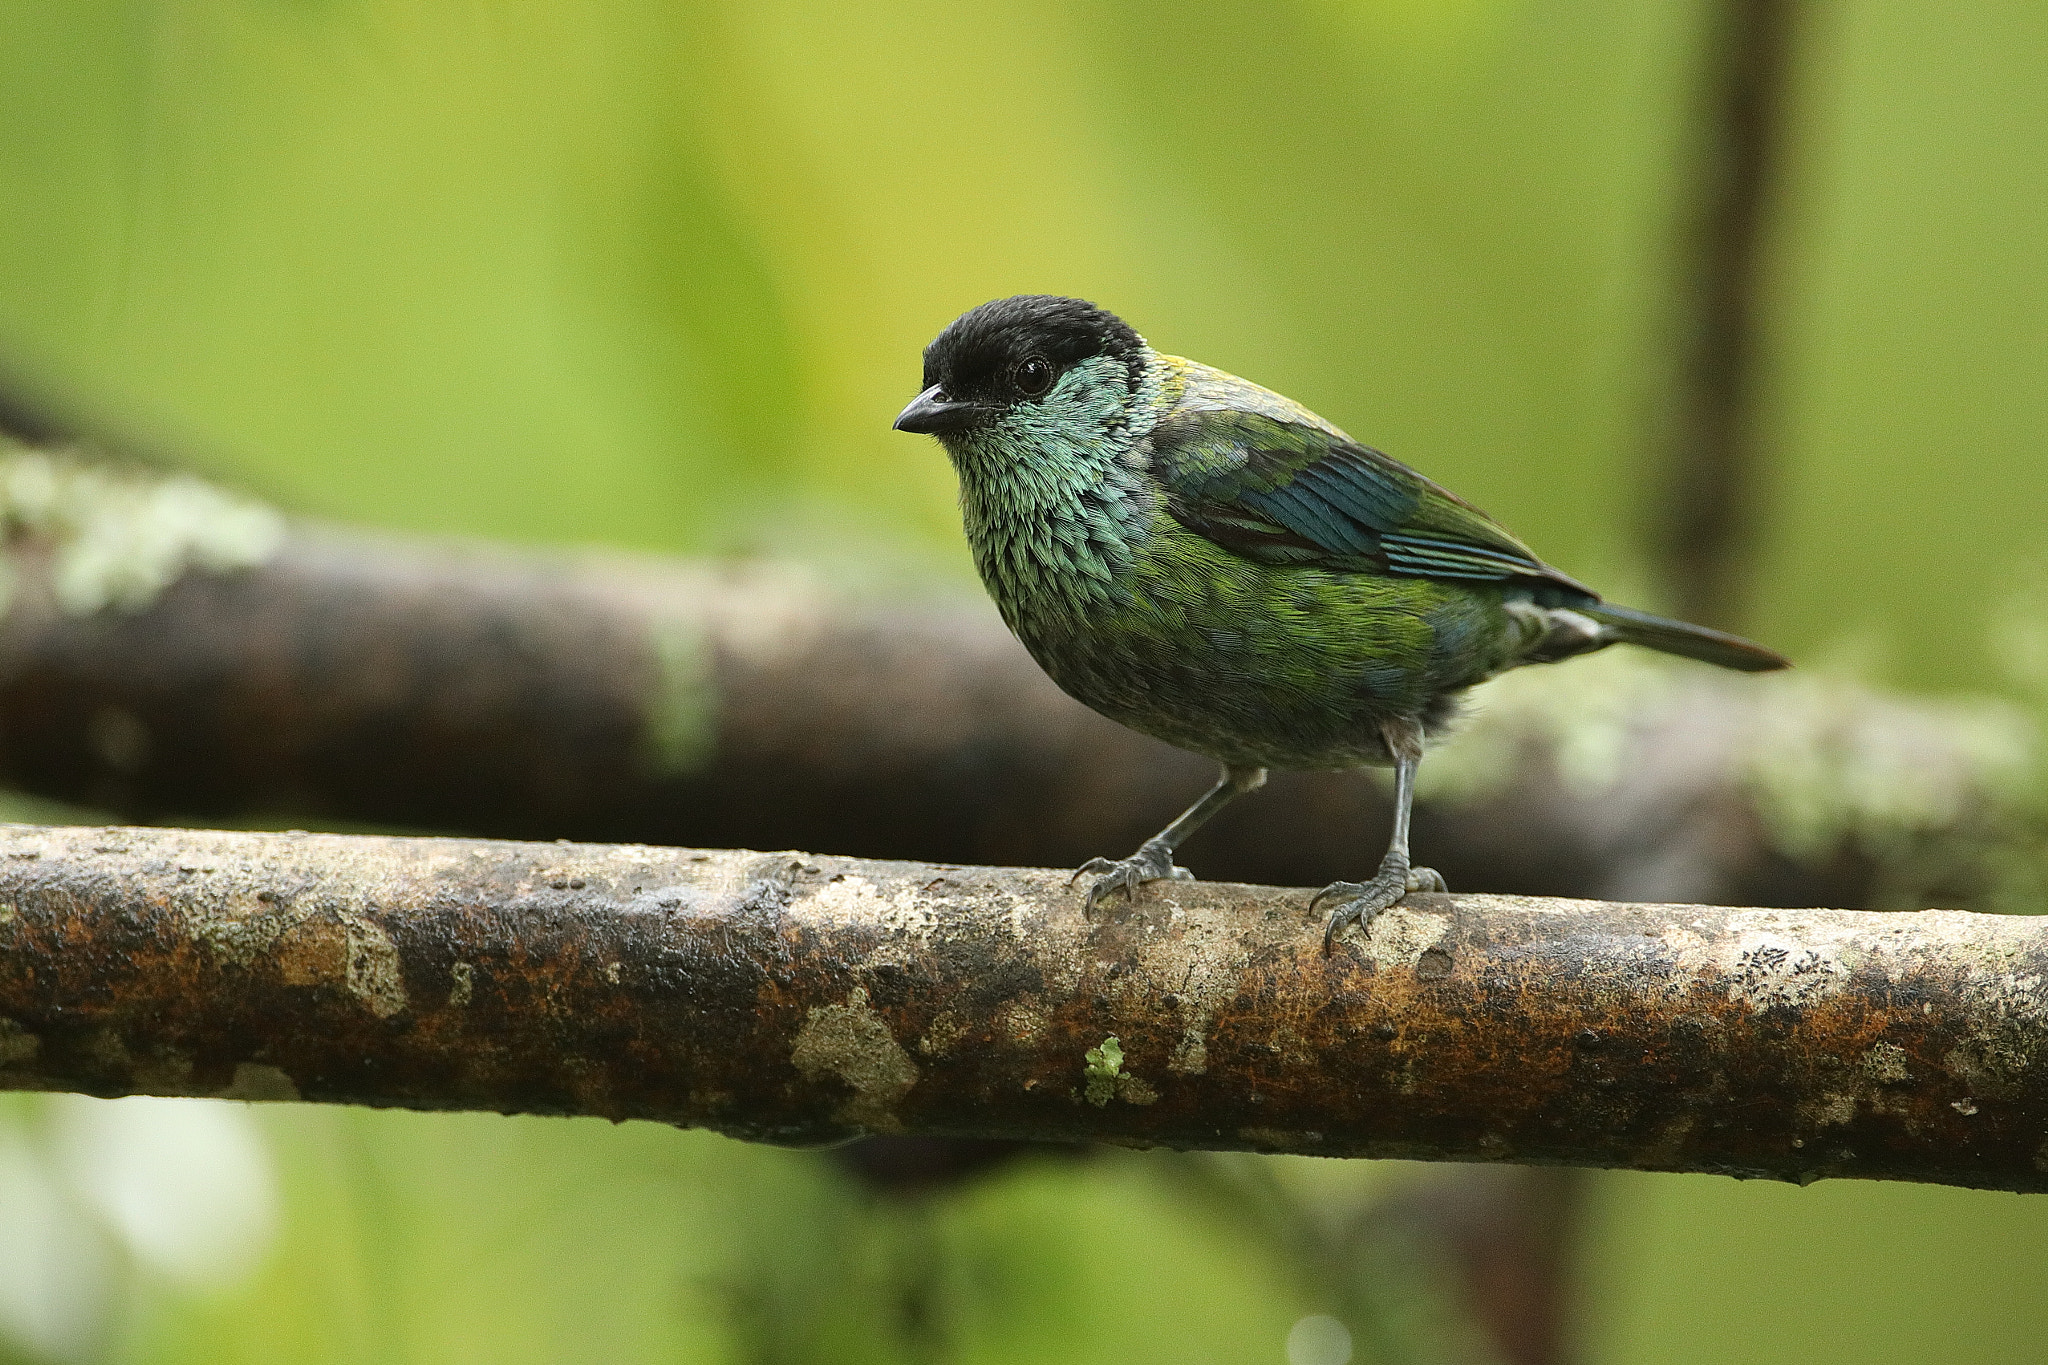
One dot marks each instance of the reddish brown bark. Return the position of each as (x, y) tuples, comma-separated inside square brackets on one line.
[(801, 999)]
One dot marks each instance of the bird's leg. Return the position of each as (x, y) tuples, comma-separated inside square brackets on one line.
[(1363, 901), (1154, 859)]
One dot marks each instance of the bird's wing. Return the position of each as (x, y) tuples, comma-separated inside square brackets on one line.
[(1284, 491)]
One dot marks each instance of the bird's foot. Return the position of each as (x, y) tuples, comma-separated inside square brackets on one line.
[(1363, 901), (1151, 863)]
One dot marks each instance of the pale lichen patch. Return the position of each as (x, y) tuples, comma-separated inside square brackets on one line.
[(1020, 1020), (1690, 959), (1680, 943), (1190, 1056), (1400, 937), (1187, 962), (857, 899), (939, 1038), (462, 984), (853, 1042), (119, 537), (1988, 955), (1044, 930), (238, 925), (905, 919), (1487, 903), (372, 972), (1021, 917), (2012, 994), (1135, 1090), (1885, 1063), (1825, 1111), (1991, 1064)]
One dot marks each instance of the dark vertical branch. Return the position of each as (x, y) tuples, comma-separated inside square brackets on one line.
[(1706, 519), (1513, 1235), (1519, 1275)]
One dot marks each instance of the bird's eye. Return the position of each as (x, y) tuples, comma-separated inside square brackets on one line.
[(1034, 376)]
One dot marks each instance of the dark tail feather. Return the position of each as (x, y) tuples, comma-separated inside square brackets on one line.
[(1689, 641)]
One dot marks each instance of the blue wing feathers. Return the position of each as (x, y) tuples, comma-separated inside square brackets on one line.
[(1299, 509), (1287, 492), (1453, 559), (1361, 491)]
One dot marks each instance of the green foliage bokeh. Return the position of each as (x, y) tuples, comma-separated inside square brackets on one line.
[(656, 273)]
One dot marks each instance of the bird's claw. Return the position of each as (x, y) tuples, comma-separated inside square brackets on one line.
[(1364, 901), (1149, 864)]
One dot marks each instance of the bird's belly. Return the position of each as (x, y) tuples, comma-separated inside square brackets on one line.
[(1272, 667)]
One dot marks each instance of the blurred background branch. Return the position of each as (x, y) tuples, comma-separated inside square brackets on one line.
[(171, 650)]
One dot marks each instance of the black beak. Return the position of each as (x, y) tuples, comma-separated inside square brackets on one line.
[(932, 413)]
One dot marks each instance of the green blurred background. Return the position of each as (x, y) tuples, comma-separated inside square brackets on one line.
[(656, 274)]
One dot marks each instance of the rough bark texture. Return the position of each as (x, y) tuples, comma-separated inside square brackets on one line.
[(800, 999)]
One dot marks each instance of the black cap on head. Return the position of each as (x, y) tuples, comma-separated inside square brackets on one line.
[(1009, 351), (980, 344)]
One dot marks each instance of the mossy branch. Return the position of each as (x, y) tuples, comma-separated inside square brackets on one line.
[(173, 654), (799, 999)]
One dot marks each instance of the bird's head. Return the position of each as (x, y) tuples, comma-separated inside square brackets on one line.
[(1031, 368)]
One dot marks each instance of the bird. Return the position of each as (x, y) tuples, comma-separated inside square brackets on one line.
[(1214, 565)]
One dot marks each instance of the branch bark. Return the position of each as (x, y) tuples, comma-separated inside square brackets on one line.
[(798, 999)]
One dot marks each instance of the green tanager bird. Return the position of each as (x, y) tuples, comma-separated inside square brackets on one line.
[(1212, 564)]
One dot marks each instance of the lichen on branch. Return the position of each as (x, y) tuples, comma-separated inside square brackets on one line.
[(806, 999)]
